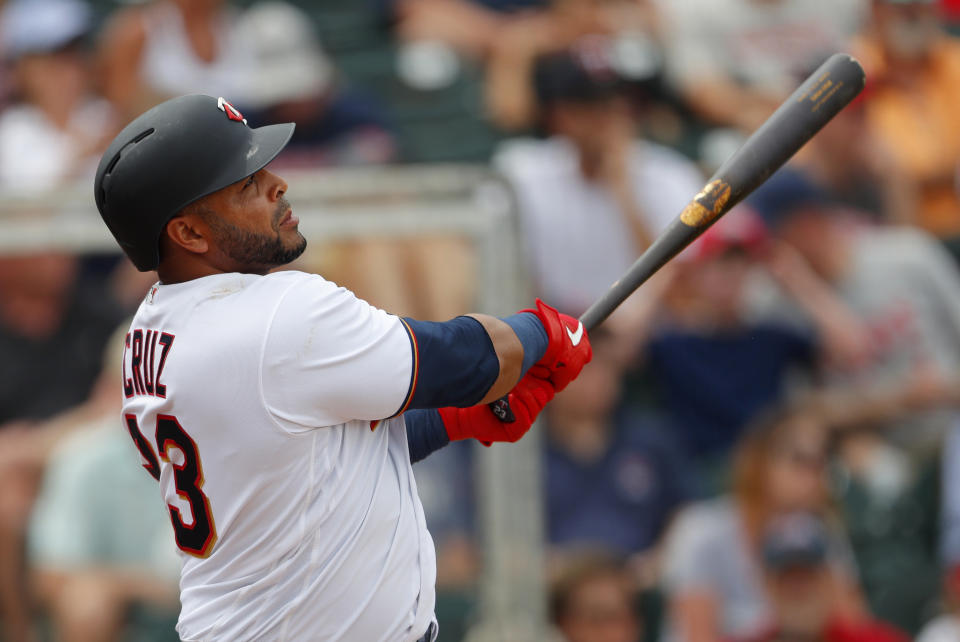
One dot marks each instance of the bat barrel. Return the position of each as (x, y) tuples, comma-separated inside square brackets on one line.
[(821, 97)]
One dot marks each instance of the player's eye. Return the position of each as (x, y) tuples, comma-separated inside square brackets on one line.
[(250, 181)]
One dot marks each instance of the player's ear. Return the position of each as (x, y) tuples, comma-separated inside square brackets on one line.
[(189, 232)]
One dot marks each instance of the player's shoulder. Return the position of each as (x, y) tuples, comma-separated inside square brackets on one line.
[(310, 299)]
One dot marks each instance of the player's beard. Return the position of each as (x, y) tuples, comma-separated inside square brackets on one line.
[(253, 248)]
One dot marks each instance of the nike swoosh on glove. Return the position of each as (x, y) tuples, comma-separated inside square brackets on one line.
[(568, 347)]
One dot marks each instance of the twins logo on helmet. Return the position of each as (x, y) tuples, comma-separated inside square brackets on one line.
[(232, 112)]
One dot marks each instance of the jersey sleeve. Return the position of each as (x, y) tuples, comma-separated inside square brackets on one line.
[(329, 358)]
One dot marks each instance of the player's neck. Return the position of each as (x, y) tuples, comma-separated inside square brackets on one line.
[(170, 274), (179, 266)]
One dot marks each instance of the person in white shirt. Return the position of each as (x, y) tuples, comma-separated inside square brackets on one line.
[(279, 413), (734, 61), (56, 128), (591, 196), (151, 51)]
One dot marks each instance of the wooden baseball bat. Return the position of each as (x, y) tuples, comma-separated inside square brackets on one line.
[(821, 97)]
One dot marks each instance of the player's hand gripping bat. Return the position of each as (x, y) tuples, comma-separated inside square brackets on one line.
[(821, 97)]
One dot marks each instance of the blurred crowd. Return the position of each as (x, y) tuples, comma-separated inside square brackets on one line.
[(766, 445)]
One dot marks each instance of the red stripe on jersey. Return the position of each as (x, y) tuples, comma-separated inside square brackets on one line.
[(416, 368)]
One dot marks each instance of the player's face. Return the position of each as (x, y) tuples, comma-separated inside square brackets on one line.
[(253, 224)]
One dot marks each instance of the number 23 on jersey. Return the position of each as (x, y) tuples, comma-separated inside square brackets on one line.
[(198, 537)]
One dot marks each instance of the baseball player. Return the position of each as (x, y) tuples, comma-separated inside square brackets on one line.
[(279, 413)]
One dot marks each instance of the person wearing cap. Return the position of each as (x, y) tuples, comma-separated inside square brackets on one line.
[(713, 552), (802, 593), (696, 329), (591, 196), (55, 127), (292, 79), (899, 283), (281, 414)]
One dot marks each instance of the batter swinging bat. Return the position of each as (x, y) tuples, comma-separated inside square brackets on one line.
[(821, 97)]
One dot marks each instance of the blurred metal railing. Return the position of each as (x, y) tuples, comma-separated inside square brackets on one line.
[(402, 202)]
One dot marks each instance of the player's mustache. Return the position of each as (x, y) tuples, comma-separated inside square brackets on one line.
[(282, 206)]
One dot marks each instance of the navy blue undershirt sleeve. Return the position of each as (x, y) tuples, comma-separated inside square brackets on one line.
[(532, 335), (455, 363), (425, 433)]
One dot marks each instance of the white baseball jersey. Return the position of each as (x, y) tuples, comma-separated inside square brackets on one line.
[(254, 400)]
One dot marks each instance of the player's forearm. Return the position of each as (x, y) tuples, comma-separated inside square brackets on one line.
[(509, 353), (519, 341), (472, 359)]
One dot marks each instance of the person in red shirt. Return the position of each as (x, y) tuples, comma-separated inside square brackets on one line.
[(801, 591)]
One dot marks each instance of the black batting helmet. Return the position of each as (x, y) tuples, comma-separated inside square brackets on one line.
[(170, 156)]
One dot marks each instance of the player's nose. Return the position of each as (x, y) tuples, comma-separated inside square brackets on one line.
[(276, 186)]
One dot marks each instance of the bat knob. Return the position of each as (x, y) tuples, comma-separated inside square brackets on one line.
[(502, 411)]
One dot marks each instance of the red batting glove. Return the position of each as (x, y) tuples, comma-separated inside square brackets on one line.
[(568, 348), (527, 399)]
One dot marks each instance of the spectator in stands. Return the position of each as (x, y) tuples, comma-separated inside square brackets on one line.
[(734, 61), (293, 80), (471, 27), (167, 48), (55, 129), (613, 476), (714, 549), (696, 331), (899, 282), (591, 185), (98, 545), (630, 26), (903, 287), (52, 331), (802, 589), (593, 599), (915, 69), (850, 162)]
